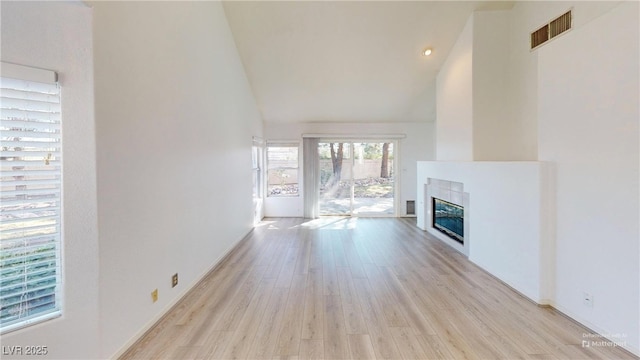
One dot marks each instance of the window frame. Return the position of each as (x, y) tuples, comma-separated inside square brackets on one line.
[(269, 167), (31, 104), (257, 164)]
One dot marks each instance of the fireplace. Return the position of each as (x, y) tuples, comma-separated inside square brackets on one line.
[(446, 212), (448, 218)]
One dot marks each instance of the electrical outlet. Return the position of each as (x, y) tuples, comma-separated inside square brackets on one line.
[(587, 299), (154, 295), (174, 280)]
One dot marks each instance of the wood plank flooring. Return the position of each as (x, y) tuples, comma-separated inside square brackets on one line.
[(357, 288)]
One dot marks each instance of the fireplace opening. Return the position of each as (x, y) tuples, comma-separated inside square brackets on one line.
[(448, 218)]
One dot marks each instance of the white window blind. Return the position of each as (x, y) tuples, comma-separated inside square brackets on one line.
[(30, 210)]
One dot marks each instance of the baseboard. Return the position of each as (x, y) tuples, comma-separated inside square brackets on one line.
[(538, 302), (156, 319), (594, 329), (549, 304)]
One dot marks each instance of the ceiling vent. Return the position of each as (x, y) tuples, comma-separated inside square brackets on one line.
[(554, 28)]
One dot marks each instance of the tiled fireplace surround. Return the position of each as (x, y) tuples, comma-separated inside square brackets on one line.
[(452, 192)]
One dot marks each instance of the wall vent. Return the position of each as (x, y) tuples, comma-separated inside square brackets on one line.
[(411, 207), (554, 28), (560, 25), (539, 36)]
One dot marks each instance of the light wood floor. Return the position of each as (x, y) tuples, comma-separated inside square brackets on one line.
[(357, 288)]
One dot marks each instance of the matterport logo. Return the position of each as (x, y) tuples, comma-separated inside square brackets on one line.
[(603, 340)]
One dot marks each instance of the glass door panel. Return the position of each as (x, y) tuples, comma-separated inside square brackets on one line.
[(373, 179), (335, 178), (357, 178)]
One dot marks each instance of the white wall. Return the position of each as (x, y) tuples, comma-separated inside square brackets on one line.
[(488, 86), (522, 92), (574, 104), (57, 36), (473, 115), (454, 101), (493, 58), (588, 126), (418, 144), (175, 118), (505, 218), (493, 132)]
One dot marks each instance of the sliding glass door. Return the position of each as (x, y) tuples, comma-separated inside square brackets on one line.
[(357, 178)]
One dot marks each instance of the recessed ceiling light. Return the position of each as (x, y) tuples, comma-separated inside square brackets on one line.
[(427, 52)]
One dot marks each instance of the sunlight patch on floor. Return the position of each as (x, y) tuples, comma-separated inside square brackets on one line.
[(331, 223)]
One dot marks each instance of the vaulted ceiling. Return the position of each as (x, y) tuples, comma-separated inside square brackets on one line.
[(347, 61)]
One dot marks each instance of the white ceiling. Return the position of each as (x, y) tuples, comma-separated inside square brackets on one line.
[(335, 61)]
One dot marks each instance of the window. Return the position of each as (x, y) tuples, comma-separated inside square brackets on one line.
[(30, 211), (282, 169), (256, 160), (257, 157)]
